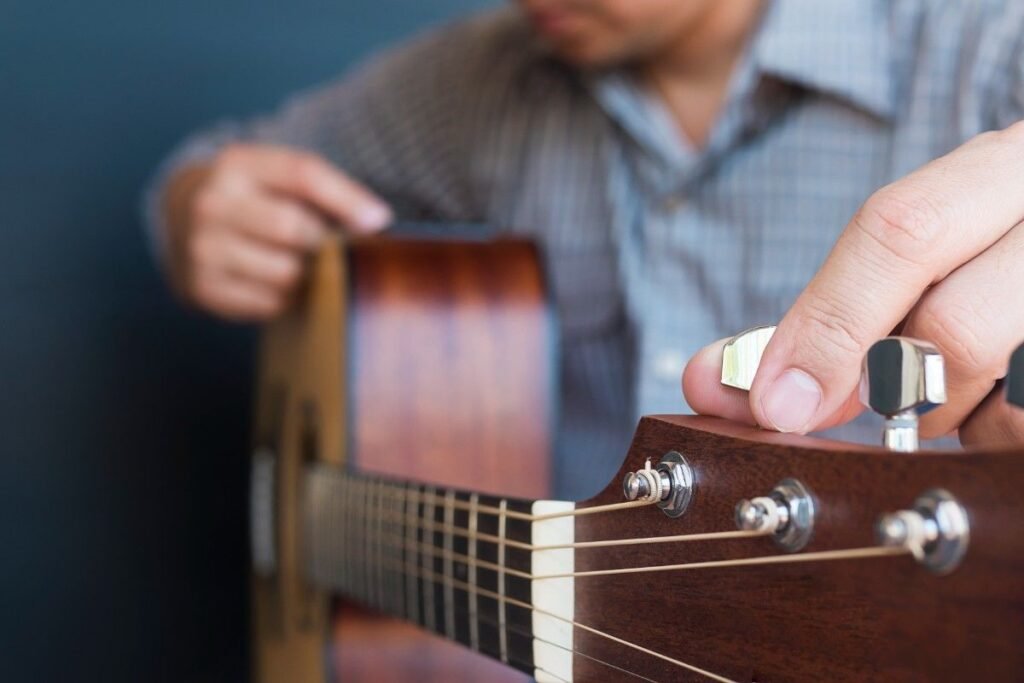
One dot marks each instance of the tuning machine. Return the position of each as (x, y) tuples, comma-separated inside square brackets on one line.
[(902, 379), (787, 513), (1015, 378), (935, 530), (669, 484), (742, 356)]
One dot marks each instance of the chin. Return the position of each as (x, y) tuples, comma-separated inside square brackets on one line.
[(587, 54)]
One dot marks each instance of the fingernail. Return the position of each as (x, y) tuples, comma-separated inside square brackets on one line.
[(792, 401), (374, 217)]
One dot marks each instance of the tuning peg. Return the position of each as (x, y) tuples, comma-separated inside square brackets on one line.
[(742, 356), (1015, 378), (903, 378)]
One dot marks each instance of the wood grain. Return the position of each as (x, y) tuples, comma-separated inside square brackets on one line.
[(450, 355), (856, 620)]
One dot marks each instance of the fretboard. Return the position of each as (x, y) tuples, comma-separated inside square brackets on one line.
[(459, 564)]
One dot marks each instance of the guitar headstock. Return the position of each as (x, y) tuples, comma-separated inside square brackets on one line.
[(797, 556)]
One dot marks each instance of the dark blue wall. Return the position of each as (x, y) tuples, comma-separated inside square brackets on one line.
[(123, 419)]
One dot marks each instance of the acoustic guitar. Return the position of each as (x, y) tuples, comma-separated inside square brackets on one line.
[(401, 464)]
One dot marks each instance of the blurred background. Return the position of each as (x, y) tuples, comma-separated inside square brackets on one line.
[(124, 420)]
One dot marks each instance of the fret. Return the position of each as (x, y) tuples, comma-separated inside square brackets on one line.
[(368, 524), (396, 587), (429, 615), (378, 543), (474, 616), (461, 564), (437, 565), (502, 607), (412, 592), (449, 596), (339, 507)]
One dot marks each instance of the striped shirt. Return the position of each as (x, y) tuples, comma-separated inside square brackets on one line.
[(656, 247)]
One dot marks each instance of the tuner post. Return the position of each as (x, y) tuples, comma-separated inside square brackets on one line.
[(902, 379), (670, 484), (935, 531), (787, 514)]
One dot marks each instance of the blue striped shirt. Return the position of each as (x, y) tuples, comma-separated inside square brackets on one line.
[(657, 247)]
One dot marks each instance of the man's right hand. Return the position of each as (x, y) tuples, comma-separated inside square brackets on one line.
[(239, 227)]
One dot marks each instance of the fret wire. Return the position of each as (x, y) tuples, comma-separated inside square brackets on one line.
[(449, 598), (532, 666), (378, 574), (474, 617), (399, 580), (503, 600), (412, 594), (428, 595), (502, 633)]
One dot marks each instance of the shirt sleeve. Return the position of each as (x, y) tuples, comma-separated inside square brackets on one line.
[(402, 123)]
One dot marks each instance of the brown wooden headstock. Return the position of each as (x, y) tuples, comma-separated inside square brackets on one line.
[(883, 617)]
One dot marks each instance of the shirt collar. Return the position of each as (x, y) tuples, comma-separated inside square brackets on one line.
[(839, 47)]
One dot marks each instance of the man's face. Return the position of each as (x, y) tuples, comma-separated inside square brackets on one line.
[(608, 32)]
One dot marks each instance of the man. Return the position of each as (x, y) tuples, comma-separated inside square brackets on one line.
[(692, 168)]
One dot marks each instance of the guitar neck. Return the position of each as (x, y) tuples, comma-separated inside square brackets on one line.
[(458, 564)]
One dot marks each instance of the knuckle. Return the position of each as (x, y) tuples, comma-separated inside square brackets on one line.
[(1014, 133), (955, 328), (231, 156), (307, 170), (907, 227), (833, 333)]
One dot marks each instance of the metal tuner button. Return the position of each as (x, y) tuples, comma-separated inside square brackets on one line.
[(1015, 378), (742, 356), (902, 379)]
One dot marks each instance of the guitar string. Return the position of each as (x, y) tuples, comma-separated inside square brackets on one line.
[(678, 538), (529, 634), (818, 556), (436, 578), (422, 496), (503, 600), (855, 553)]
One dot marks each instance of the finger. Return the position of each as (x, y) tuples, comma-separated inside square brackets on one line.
[(314, 180), (706, 394), (975, 320), (908, 236), (994, 423), (704, 391), (279, 221), (223, 250), (238, 299)]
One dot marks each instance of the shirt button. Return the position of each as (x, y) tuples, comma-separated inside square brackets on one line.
[(668, 365)]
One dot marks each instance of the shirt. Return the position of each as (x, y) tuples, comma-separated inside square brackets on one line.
[(654, 247)]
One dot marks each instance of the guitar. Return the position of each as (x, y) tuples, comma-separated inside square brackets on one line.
[(719, 552)]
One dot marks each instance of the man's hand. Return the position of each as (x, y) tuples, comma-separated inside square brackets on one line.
[(240, 227), (937, 255)]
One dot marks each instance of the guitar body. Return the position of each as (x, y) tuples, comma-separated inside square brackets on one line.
[(418, 359), (416, 377)]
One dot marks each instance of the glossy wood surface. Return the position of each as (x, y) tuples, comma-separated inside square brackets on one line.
[(451, 377), (849, 620), (451, 364)]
